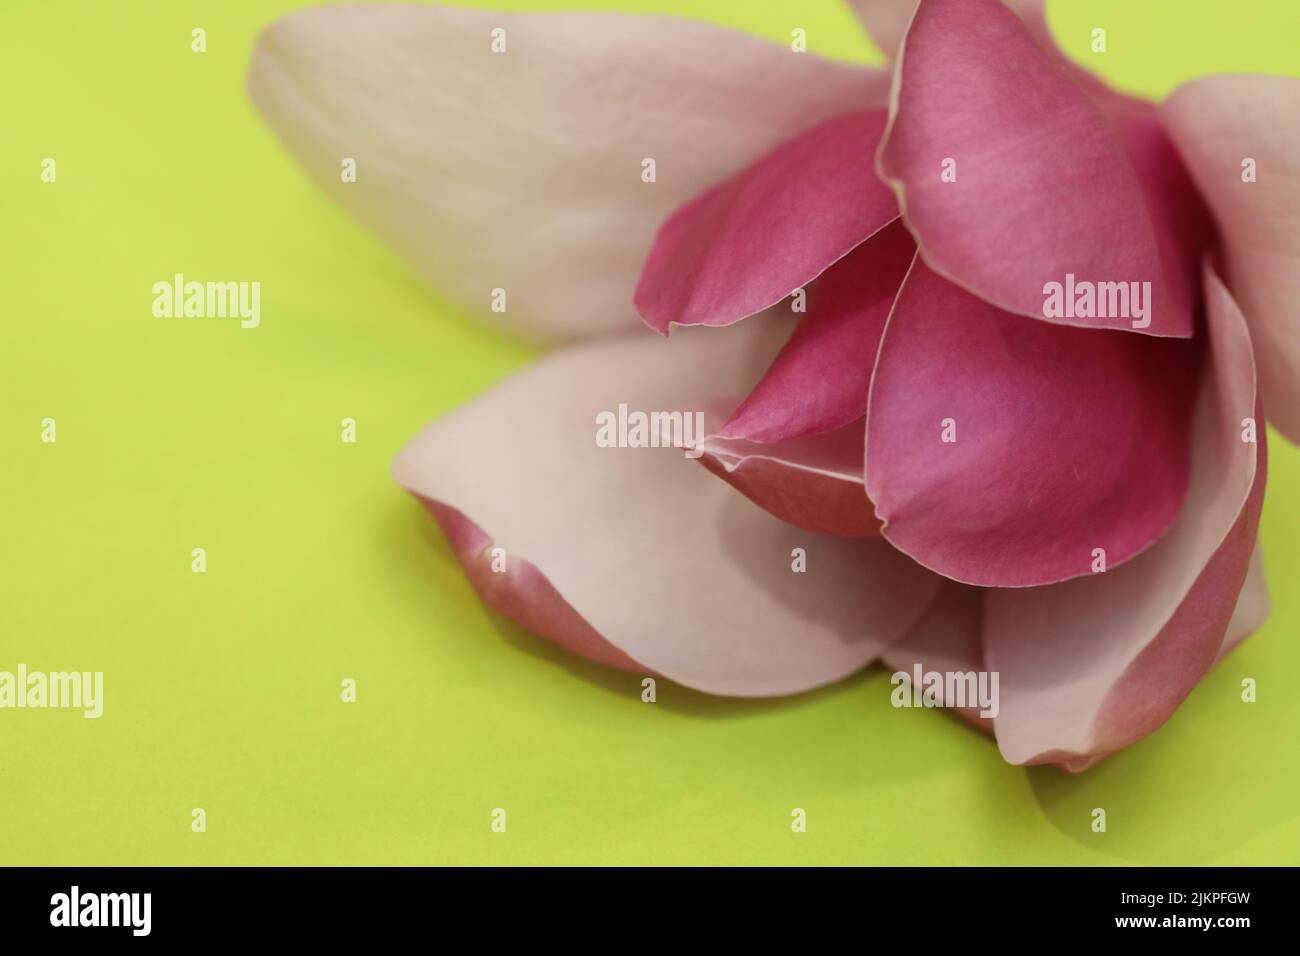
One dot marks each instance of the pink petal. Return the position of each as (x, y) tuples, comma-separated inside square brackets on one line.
[(522, 170), (641, 546), (1218, 122), (946, 639), (1067, 440), (1092, 665), (1044, 187), (813, 482), (750, 242), (886, 20), (819, 381)]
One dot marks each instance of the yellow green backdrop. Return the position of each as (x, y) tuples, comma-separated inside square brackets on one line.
[(222, 690)]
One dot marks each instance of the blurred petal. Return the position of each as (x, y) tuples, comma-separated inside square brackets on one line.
[(748, 243), (813, 482), (819, 381), (1066, 440), (522, 170), (885, 21), (1218, 123), (1044, 187), (664, 562), (947, 639), (1092, 665)]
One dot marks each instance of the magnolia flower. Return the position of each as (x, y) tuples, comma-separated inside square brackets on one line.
[(1018, 428)]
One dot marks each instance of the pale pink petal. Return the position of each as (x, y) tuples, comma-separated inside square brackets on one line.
[(946, 639), (1044, 188), (642, 546), (521, 592), (1253, 606), (522, 170), (885, 21), (1092, 665), (751, 241), (1220, 122), (1066, 440), (813, 482), (819, 381)]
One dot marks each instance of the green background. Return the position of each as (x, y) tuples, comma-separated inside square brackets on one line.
[(222, 689)]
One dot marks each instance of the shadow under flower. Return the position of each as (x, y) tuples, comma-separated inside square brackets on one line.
[(1187, 795)]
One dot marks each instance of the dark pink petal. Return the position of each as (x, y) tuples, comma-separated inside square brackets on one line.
[(640, 551), (813, 482), (1220, 123), (1092, 665), (1044, 187), (947, 638), (753, 240), (522, 170), (819, 381), (1067, 440)]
